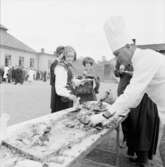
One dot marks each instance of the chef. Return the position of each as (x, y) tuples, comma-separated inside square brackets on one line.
[(148, 76)]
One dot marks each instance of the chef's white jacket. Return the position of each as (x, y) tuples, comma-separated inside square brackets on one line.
[(149, 77)]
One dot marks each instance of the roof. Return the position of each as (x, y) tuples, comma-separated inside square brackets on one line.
[(44, 53), (157, 47), (3, 27), (9, 41)]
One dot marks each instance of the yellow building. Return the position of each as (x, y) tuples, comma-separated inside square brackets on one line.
[(13, 52)]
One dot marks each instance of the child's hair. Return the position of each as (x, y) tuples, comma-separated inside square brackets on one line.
[(69, 49), (59, 50), (88, 60)]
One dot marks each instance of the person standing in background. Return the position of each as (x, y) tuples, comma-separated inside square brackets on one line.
[(5, 75), (1, 75), (31, 74), (125, 74)]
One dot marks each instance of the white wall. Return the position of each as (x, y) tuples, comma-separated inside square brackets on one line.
[(1, 57), (43, 61), (15, 57), (40, 59)]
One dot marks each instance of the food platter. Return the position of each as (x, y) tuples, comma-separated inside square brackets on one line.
[(53, 139), (42, 139), (91, 108), (96, 106)]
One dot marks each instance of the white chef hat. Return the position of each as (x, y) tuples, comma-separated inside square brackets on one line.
[(115, 30)]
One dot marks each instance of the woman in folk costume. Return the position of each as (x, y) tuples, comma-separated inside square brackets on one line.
[(148, 76), (141, 127), (63, 80), (90, 83), (59, 55)]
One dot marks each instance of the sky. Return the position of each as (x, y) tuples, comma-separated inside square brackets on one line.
[(79, 23)]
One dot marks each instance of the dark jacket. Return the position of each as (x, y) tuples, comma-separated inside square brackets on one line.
[(58, 102), (124, 78)]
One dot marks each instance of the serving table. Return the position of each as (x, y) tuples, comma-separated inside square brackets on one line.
[(61, 153)]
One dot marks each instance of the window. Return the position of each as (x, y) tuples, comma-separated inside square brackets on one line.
[(8, 60), (21, 61), (31, 62)]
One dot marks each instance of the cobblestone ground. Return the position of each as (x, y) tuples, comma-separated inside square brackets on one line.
[(27, 101), (104, 155)]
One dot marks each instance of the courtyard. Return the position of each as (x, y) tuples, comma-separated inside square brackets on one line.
[(31, 100)]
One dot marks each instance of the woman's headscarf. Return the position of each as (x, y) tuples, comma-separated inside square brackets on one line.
[(69, 49)]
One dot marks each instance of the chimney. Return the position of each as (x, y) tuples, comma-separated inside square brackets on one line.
[(134, 41), (42, 50), (3, 28)]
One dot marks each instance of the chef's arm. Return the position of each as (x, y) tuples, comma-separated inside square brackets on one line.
[(61, 82), (143, 74)]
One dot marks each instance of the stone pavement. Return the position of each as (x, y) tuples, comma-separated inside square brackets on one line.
[(31, 100), (104, 156)]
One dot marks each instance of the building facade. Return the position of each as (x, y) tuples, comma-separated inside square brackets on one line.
[(15, 53), (45, 60)]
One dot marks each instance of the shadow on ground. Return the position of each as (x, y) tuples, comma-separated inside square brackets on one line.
[(104, 155)]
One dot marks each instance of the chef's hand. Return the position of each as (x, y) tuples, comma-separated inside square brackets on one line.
[(96, 119), (112, 118)]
